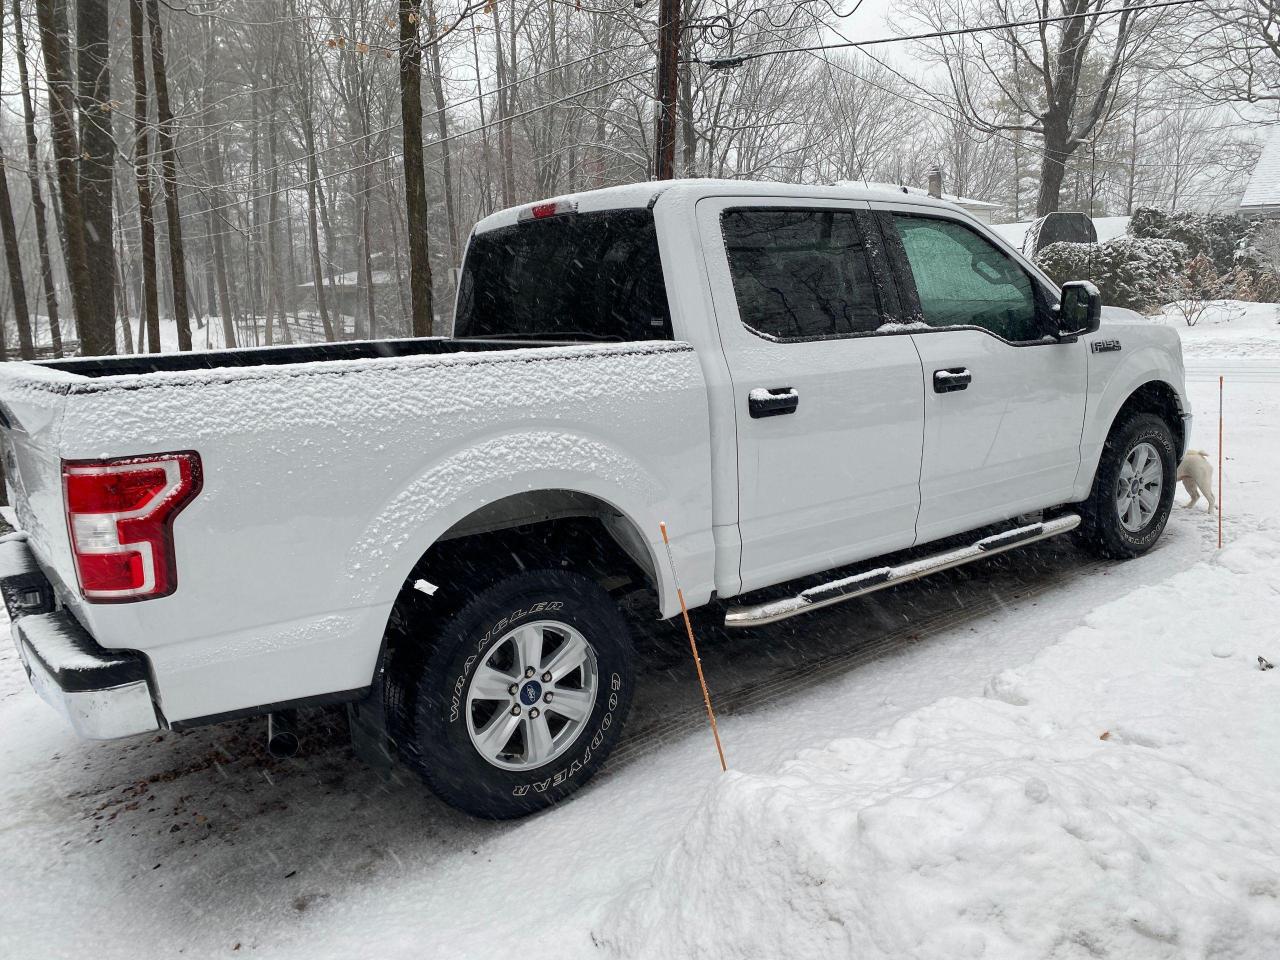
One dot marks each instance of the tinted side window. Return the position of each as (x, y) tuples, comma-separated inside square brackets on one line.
[(800, 274), (593, 275), (962, 279)]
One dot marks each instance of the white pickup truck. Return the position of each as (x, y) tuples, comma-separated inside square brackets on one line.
[(795, 379)]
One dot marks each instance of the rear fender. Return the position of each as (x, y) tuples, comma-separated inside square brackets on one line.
[(458, 485)]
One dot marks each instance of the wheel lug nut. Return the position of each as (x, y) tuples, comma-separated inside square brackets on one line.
[(512, 689), (515, 710), (547, 697), (533, 714), (546, 677), (529, 672)]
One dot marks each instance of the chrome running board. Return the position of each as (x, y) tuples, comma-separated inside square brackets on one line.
[(859, 585)]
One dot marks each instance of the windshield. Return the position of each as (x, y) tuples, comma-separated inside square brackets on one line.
[(589, 276)]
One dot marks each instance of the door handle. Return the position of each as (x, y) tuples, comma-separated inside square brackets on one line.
[(772, 401), (951, 379)]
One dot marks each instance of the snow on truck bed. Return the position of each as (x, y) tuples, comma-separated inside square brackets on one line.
[(346, 394), (1114, 798)]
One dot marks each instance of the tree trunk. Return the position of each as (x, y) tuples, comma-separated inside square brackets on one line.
[(122, 291), (97, 170), (13, 259), (504, 125), (1053, 170), (273, 262), (366, 270), (14, 262), (313, 231), (169, 169), (486, 182), (33, 177), (217, 231), (406, 311), (51, 16), (142, 173), (331, 247), (415, 177), (446, 149)]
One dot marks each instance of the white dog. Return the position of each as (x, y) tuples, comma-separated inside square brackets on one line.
[(1196, 474)]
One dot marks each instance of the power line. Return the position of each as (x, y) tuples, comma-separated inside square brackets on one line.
[(727, 63)]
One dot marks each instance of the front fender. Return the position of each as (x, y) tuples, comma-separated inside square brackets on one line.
[(493, 469), (1113, 379)]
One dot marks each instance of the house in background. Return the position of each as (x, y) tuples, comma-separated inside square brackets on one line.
[(1262, 194)]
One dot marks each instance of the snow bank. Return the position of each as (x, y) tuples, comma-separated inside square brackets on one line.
[(1115, 798)]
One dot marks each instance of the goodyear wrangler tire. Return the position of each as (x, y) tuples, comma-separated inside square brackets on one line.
[(521, 696), (1133, 489)]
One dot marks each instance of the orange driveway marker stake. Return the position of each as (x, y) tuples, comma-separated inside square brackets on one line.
[(693, 645), (1219, 461)]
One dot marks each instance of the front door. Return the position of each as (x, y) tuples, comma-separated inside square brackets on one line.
[(1004, 400), (829, 403)]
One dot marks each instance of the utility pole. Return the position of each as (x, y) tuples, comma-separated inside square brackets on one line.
[(664, 137)]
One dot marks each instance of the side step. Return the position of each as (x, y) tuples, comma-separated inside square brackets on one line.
[(838, 591)]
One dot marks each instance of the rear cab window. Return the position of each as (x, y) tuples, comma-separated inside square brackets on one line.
[(593, 276), (800, 274)]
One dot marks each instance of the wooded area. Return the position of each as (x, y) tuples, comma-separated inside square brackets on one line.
[(246, 172)]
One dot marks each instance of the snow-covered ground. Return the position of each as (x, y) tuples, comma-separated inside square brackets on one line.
[(1045, 756), (1229, 328)]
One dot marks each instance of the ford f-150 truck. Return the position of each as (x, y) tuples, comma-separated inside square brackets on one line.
[(821, 391)]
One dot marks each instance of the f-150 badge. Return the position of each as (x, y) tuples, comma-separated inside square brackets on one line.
[(1104, 346)]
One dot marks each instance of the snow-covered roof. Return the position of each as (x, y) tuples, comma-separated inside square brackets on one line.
[(379, 277), (1263, 190)]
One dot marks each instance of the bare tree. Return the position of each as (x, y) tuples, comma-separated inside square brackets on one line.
[(97, 172), (169, 170), (33, 181), (415, 184), (1060, 78), (142, 167)]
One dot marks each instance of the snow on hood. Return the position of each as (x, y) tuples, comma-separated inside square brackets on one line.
[(1115, 798), (1123, 315)]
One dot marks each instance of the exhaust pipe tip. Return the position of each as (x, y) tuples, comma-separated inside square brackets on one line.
[(282, 736)]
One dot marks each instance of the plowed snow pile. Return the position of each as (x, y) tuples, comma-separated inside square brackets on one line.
[(1118, 797)]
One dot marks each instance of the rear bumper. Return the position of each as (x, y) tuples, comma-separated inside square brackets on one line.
[(104, 694)]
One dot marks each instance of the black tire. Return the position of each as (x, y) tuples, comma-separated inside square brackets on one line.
[(1102, 531), (427, 700)]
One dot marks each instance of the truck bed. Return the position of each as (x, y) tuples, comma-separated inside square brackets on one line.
[(278, 355), (328, 470)]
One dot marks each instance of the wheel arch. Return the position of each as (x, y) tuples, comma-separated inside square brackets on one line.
[(1153, 392)]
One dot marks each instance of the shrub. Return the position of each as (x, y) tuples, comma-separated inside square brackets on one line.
[(1199, 285), (1225, 238), (1133, 272), (1241, 250)]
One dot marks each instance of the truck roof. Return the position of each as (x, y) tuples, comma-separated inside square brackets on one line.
[(634, 195)]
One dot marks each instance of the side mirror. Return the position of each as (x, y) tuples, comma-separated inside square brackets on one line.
[(1079, 310)]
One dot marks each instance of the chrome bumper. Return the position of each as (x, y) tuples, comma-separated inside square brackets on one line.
[(104, 694)]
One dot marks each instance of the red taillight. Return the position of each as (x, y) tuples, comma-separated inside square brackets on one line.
[(120, 519), (541, 211)]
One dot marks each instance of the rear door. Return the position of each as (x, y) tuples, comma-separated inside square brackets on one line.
[(828, 404), (1004, 400)]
